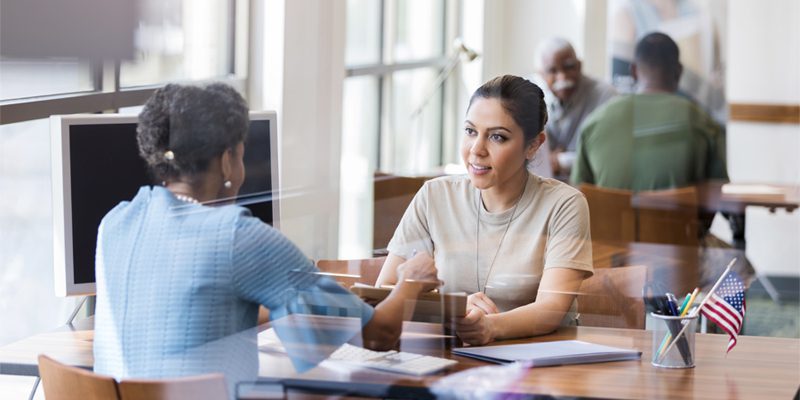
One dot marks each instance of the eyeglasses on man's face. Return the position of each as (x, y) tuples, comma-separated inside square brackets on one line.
[(565, 67)]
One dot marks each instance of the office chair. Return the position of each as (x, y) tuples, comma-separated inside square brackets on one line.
[(63, 382), (348, 272), (668, 216), (201, 387), (612, 216), (612, 298), (392, 195)]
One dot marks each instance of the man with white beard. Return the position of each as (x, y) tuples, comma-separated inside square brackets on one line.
[(570, 96)]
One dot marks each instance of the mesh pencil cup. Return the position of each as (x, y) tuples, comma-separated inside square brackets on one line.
[(669, 352)]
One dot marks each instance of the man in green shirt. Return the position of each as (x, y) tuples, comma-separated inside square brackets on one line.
[(653, 139)]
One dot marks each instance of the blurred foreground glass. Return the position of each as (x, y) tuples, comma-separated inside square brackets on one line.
[(180, 40), (31, 78)]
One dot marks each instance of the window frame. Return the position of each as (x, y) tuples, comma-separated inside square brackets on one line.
[(384, 69)]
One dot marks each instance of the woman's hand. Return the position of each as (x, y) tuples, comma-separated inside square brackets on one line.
[(414, 275), (481, 302), (476, 328), (419, 270)]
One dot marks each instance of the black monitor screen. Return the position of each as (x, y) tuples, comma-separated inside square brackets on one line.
[(257, 191), (105, 169)]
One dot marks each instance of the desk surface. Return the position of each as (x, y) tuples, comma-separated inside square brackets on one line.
[(758, 367)]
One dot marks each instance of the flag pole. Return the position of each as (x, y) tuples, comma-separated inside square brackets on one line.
[(697, 310)]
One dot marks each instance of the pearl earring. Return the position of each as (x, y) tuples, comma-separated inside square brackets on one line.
[(227, 184)]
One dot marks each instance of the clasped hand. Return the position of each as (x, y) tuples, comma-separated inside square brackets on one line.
[(477, 327)]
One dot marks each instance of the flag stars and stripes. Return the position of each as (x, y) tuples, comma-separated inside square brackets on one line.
[(726, 307)]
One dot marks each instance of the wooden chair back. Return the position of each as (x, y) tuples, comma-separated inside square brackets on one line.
[(64, 382), (392, 195), (612, 216), (348, 272), (612, 298), (668, 216), (201, 387)]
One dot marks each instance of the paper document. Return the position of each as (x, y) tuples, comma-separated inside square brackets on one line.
[(549, 353), (752, 189)]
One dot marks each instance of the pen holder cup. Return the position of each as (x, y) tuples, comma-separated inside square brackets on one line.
[(671, 348)]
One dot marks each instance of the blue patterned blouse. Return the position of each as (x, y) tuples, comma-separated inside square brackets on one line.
[(179, 284)]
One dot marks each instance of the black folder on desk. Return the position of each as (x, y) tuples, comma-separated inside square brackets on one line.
[(547, 354)]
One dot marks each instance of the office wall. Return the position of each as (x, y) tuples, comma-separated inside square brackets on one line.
[(764, 68), (513, 28)]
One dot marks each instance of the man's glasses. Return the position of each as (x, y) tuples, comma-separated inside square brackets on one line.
[(566, 67)]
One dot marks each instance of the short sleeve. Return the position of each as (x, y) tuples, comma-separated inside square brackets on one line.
[(582, 169), (413, 233), (569, 242), (269, 269)]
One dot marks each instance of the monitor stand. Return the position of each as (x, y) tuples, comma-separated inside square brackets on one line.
[(78, 308)]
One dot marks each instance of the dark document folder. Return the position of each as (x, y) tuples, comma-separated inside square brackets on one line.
[(547, 354)]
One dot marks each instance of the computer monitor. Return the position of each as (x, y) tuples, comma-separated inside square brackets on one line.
[(96, 165)]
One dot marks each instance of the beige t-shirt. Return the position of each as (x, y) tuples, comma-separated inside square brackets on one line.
[(549, 229)]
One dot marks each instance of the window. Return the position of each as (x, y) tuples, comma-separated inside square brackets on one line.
[(31, 78), (394, 102), (26, 232), (402, 45)]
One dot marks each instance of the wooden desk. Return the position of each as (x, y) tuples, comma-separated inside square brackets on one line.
[(758, 368), (712, 198), (70, 344)]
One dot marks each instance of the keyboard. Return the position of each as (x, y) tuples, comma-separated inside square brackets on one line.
[(392, 361)]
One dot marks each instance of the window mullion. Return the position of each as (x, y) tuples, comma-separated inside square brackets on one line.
[(387, 68), (448, 138)]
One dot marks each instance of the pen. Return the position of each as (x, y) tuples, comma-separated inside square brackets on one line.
[(689, 303), (672, 304), (674, 326), (683, 305)]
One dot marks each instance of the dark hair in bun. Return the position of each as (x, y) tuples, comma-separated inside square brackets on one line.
[(182, 128), (521, 98)]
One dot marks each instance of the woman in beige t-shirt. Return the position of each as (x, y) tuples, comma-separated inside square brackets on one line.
[(517, 243)]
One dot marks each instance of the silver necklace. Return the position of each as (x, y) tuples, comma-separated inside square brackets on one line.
[(502, 238), (186, 199)]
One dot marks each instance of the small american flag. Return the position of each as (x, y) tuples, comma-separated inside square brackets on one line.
[(726, 307)]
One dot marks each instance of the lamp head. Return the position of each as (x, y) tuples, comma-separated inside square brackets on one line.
[(461, 48)]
